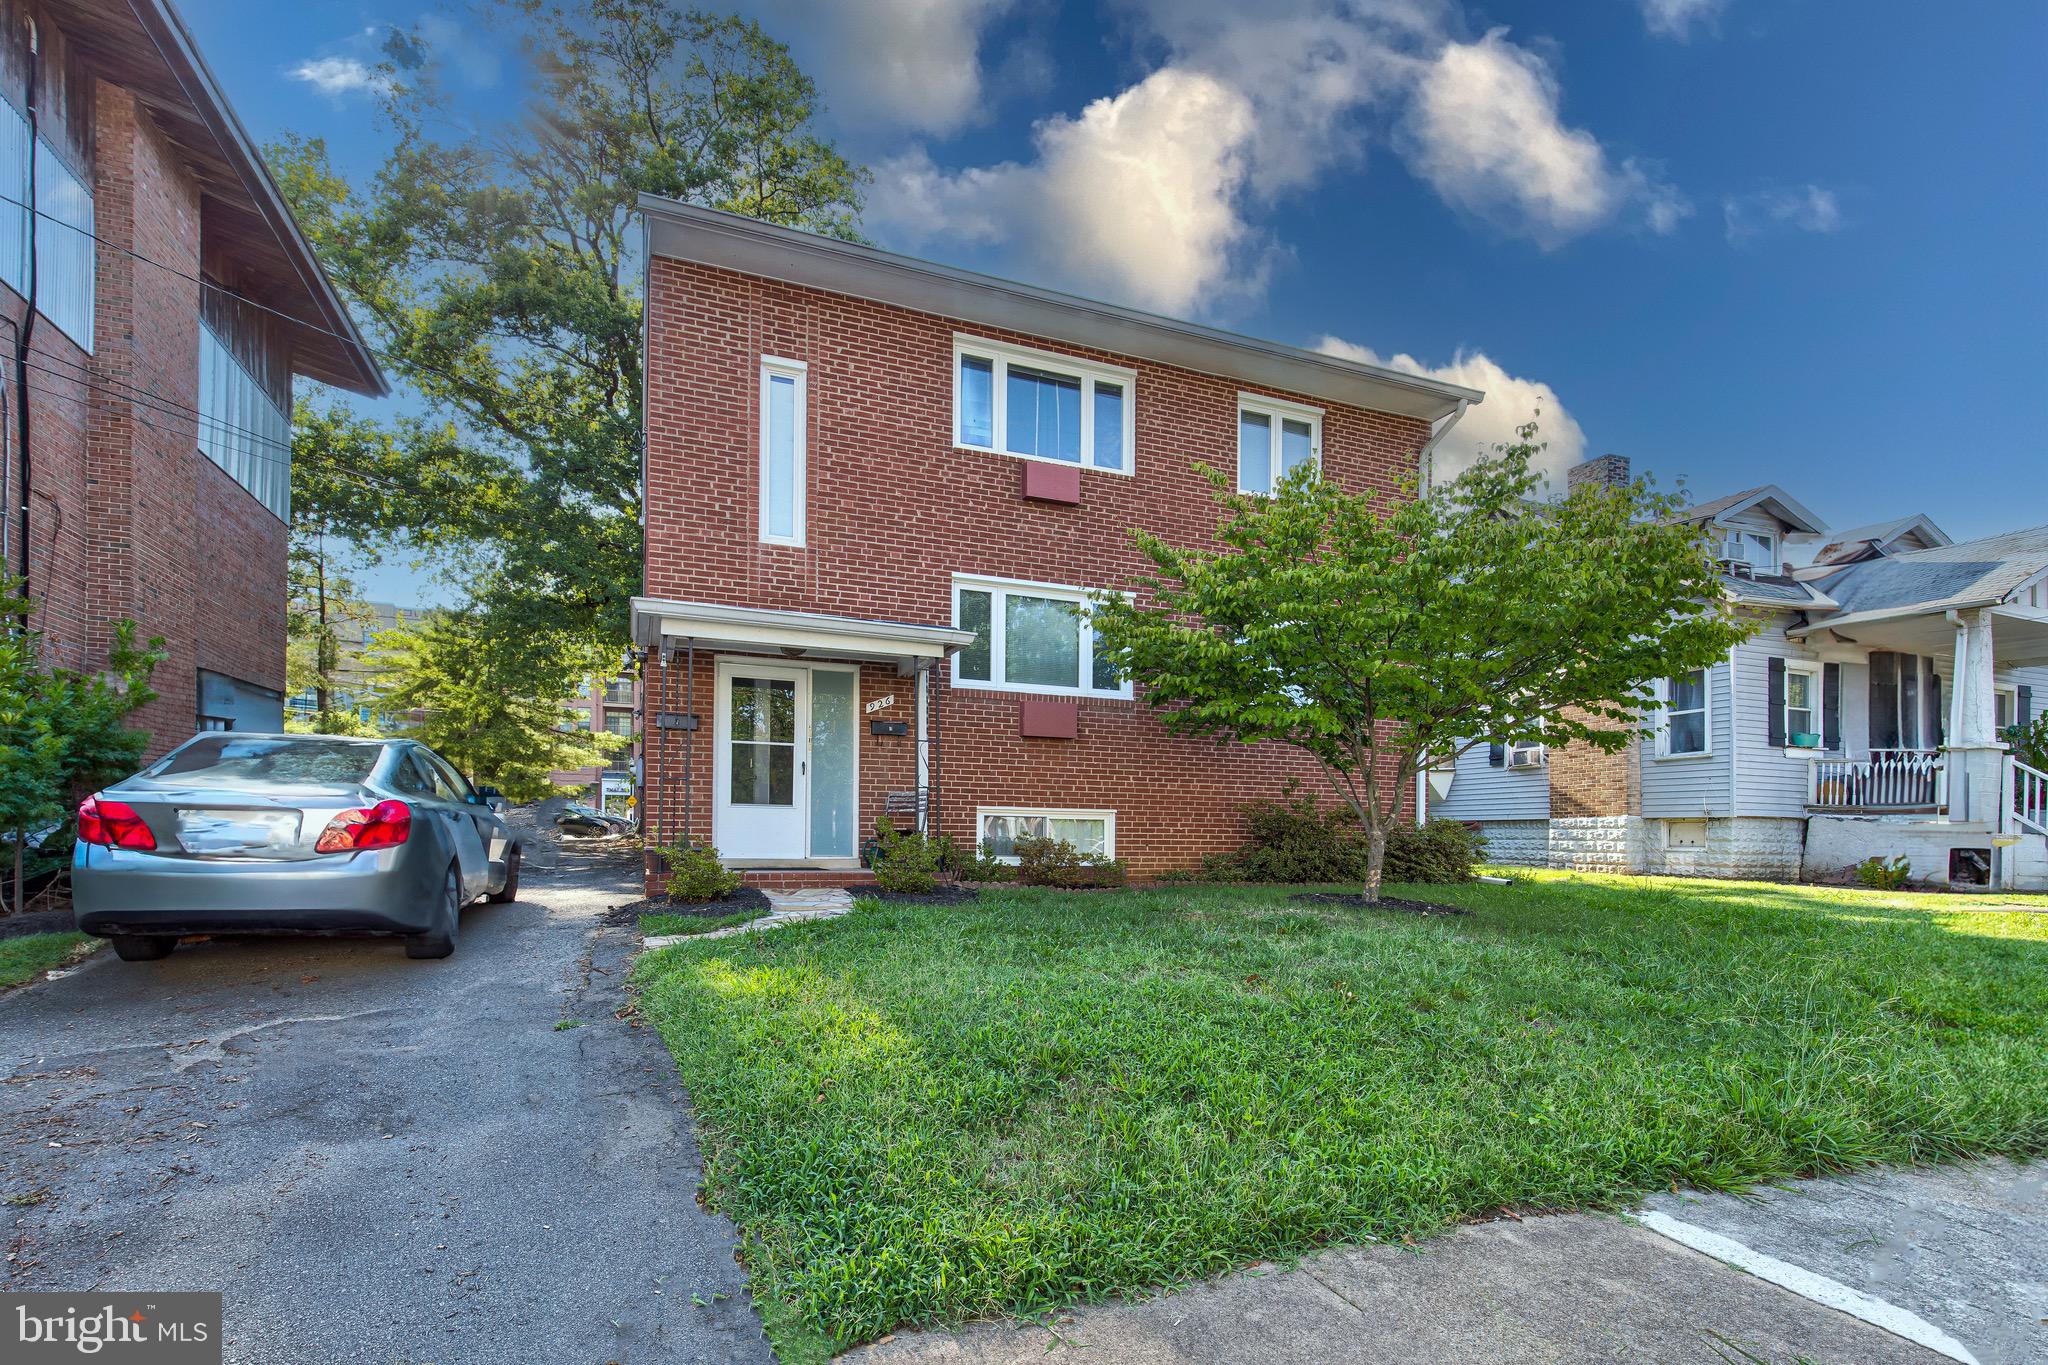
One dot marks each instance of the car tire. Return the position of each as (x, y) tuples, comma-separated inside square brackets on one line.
[(142, 947), (440, 940), (509, 892)]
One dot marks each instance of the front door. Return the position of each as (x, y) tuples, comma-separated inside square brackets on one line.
[(763, 763)]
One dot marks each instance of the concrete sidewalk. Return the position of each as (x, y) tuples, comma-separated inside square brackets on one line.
[(1589, 1287)]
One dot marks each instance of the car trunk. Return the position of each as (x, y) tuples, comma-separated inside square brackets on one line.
[(199, 821)]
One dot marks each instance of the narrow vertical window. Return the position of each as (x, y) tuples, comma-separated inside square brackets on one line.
[(1254, 453), (1109, 426), (975, 615), (782, 451), (977, 401)]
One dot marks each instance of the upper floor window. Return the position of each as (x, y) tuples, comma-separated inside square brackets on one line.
[(783, 458), (1042, 406), (63, 230), (241, 427), (619, 692), (1029, 637), (1274, 438), (1758, 549), (1685, 714), (618, 722)]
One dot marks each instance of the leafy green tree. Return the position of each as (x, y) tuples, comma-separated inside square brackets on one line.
[(1384, 636), (496, 273), (482, 700), (62, 733)]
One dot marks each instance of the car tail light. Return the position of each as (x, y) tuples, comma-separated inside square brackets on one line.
[(380, 826), (114, 824)]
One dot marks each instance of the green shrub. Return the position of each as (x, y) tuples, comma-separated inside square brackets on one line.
[(1055, 862), (1439, 852), (695, 874), (2029, 742), (986, 867), (1879, 875), (907, 863), (1295, 840)]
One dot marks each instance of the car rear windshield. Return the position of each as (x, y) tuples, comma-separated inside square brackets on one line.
[(224, 760)]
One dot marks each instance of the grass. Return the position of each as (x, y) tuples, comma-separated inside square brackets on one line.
[(923, 1114), (30, 955), (654, 926)]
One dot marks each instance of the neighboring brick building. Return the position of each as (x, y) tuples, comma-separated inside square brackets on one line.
[(175, 301), (871, 485), (606, 706)]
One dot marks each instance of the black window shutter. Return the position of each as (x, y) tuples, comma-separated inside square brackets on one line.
[(2023, 711), (1909, 701), (1496, 755), (1937, 714), (1777, 703), (1831, 705), (1884, 699)]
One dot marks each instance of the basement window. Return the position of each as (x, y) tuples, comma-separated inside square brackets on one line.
[(1089, 831)]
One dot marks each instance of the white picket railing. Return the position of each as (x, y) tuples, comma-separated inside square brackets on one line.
[(2029, 796), (1890, 779)]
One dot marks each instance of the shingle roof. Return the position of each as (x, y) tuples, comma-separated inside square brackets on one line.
[(1772, 590), (1881, 533), (1972, 573), (1785, 507)]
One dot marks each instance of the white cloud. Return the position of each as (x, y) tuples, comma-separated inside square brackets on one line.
[(910, 64), (1808, 208), (1136, 198), (341, 76), (1157, 194), (1484, 130), (1511, 402), (1675, 18)]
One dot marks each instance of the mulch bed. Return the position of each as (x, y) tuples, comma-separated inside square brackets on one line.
[(945, 895), (745, 899), (37, 922), (1353, 900)]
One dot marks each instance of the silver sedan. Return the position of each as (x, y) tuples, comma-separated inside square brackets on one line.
[(295, 834)]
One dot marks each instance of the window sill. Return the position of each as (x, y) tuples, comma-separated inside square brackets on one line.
[(1802, 751), (1081, 465), (1026, 690), (1682, 758)]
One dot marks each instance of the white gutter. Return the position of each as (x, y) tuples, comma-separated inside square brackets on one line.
[(1437, 432)]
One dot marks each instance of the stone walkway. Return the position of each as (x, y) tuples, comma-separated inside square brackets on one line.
[(791, 907)]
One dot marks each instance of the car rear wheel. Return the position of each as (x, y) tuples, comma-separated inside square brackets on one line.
[(440, 940), (142, 947), (510, 890)]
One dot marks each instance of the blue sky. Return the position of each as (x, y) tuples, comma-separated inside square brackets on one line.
[(1739, 241)]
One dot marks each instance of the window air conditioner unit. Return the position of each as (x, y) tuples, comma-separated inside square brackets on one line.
[(1525, 758)]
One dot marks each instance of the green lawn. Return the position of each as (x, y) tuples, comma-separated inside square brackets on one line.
[(24, 957), (655, 926), (923, 1114)]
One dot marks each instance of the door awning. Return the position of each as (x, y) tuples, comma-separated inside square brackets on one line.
[(659, 622)]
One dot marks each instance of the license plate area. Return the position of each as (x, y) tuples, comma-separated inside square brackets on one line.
[(237, 831)]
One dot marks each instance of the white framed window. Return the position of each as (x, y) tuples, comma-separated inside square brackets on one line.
[(1274, 438), (1758, 549), (1037, 405), (241, 427), (1803, 718), (1029, 637), (1685, 729), (2007, 705), (1525, 755), (999, 827), (785, 404)]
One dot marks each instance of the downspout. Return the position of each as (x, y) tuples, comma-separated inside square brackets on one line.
[(1426, 461), (28, 326)]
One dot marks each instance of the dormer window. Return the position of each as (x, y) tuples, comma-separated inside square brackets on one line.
[(1758, 549)]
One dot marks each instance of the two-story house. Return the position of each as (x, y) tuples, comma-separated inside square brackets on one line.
[(156, 301), (877, 488), (1861, 720)]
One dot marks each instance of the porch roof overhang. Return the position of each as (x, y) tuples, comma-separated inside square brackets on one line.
[(2019, 635), (659, 622)]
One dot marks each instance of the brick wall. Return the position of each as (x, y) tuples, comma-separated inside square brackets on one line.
[(128, 519), (1585, 782), (894, 510)]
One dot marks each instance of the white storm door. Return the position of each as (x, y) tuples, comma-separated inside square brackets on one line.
[(761, 804)]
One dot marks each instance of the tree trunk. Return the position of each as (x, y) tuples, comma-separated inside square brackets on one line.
[(320, 640), (14, 905), (1375, 857)]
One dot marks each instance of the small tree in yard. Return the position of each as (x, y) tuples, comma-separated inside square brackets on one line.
[(1386, 635), (62, 733)]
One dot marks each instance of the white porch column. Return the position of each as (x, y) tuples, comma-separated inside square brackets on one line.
[(1976, 756)]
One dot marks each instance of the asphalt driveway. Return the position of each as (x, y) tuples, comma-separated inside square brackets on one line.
[(373, 1158)]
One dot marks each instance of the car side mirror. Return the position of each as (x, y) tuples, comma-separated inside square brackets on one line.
[(489, 793)]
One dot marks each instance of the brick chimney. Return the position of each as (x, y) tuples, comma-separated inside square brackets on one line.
[(1609, 470)]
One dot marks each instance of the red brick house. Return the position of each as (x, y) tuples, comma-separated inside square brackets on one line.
[(872, 486), (174, 301)]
